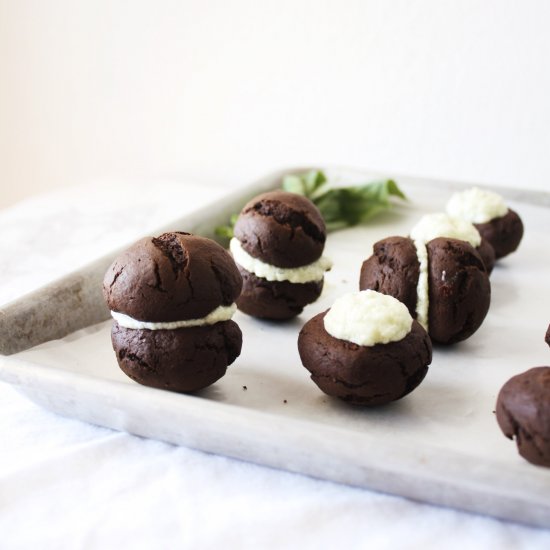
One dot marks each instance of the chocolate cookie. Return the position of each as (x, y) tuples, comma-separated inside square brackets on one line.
[(276, 300), (504, 233), (181, 360), (523, 413), (459, 290), (364, 375), (173, 277), (393, 269), (172, 298), (278, 243), (282, 229), (547, 337)]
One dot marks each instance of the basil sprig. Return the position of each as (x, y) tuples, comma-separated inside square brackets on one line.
[(340, 206), (343, 206)]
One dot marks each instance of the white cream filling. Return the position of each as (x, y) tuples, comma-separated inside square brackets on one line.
[(367, 318), (221, 313), (432, 226), (476, 205), (303, 274), (422, 296)]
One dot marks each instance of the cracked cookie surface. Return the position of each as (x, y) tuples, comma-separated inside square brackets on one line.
[(282, 229), (174, 277)]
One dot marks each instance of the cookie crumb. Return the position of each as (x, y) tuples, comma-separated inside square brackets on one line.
[(285, 401), (245, 388)]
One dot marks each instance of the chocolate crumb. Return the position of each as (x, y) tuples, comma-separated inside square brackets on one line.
[(285, 401), (245, 388)]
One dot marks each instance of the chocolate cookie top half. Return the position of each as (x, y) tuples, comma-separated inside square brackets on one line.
[(282, 229), (393, 269), (174, 277)]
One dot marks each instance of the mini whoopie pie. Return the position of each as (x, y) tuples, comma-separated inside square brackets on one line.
[(172, 298), (499, 225), (443, 283), (279, 238), (366, 349), (523, 414)]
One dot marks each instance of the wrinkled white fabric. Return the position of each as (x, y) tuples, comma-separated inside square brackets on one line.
[(67, 484)]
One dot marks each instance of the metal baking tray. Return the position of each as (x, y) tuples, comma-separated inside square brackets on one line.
[(440, 444)]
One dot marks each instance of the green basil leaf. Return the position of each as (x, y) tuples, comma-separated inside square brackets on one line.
[(294, 184), (306, 184)]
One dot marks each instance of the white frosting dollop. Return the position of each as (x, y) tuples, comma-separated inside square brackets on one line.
[(432, 226), (367, 318), (221, 313), (476, 205), (303, 274)]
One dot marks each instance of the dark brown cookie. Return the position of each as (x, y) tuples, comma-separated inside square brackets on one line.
[(174, 277), (523, 413), (181, 360), (282, 229), (459, 290), (504, 233), (364, 375), (276, 300), (393, 269)]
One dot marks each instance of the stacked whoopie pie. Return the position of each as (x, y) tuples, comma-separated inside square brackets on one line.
[(279, 238), (172, 299)]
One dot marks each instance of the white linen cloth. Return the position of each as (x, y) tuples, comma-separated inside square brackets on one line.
[(67, 484)]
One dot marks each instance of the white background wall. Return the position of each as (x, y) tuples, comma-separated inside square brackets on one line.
[(224, 91)]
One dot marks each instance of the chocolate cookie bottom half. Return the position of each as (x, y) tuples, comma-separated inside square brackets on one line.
[(182, 360), (275, 300)]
